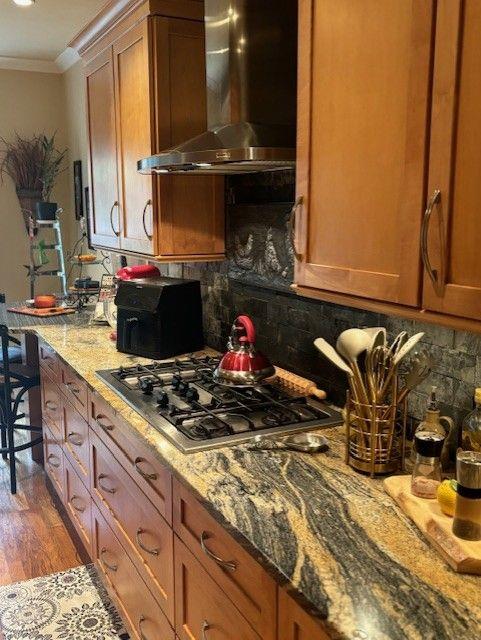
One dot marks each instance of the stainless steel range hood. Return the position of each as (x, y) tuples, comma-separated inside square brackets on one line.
[(251, 51)]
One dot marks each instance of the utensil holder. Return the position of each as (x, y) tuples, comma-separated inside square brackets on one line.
[(375, 436)]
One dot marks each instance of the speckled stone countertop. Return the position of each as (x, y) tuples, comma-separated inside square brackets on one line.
[(329, 533)]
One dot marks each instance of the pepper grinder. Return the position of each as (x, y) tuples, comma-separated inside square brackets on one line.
[(467, 516)]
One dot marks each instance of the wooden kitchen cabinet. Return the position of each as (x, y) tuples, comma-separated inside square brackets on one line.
[(295, 623), (146, 91), (203, 611), (452, 253), (134, 600), (389, 157), (104, 198), (239, 575), (364, 73)]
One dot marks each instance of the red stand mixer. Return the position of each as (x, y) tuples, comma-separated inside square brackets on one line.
[(243, 365)]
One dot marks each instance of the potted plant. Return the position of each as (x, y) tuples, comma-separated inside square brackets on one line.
[(52, 166), (22, 162), (33, 164)]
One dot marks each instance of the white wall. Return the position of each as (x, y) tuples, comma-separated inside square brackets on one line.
[(30, 103)]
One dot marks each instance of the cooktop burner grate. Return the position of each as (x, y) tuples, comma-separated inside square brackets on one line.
[(181, 399)]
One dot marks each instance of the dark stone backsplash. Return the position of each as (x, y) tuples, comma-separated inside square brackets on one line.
[(256, 280)]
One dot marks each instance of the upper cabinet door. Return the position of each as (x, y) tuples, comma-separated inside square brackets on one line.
[(364, 78), (104, 205), (191, 208), (452, 256), (134, 107)]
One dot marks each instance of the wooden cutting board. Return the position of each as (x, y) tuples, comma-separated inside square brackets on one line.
[(462, 555), (41, 313)]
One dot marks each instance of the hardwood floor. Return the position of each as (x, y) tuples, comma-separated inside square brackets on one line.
[(33, 538)]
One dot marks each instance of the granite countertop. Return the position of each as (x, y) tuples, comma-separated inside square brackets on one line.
[(333, 536)]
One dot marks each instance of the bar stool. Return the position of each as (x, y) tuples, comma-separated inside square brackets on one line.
[(16, 379)]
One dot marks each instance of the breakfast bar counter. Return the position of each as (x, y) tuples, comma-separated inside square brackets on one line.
[(332, 537)]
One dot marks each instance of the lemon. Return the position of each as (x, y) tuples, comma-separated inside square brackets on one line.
[(447, 496)]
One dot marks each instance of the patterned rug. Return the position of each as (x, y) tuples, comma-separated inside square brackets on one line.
[(72, 605)]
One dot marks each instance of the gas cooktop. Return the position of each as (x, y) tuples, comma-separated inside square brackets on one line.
[(182, 400)]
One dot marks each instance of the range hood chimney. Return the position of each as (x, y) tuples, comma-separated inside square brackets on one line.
[(251, 51)]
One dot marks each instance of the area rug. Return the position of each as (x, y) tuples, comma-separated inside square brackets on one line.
[(72, 605)]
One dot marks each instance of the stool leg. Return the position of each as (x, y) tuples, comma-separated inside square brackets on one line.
[(3, 429), (12, 460)]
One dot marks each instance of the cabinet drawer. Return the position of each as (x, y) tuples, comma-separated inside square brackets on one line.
[(75, 388), (49, 361), (142, 465), (79, 505), (54, 462), (142, 531), (203, 611), (52, 406), (76, 441), (139, 608), (240, 577), (295, 623)]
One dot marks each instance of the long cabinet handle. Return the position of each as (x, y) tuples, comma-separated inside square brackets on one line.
[(292, 226), (144, 213), (71, 387), (432, 273), (140, 622), (77, 442), (116, 204), (80, 509), (102, 476), (102, 425), (141, 472), (139, 532), (205, 627), (229, 565), (112, 567), (54, 457)]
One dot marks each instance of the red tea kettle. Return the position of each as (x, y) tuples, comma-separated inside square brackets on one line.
[(242, 365)]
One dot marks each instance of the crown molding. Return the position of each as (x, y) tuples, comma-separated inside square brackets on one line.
[(62, 63), (24, 64), (67, 59)]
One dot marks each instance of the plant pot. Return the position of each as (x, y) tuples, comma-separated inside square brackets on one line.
[(28, 202), (46, 210)]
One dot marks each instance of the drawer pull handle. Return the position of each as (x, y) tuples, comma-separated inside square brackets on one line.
[(432, 273), (139, 627), (144, 212), (112, 567), (205, 627), (54, 457), (144, 474), (292, 226), (51, 405), (153, 552), (116, 204), (103, 425), (77, 442), (102, 476), (70, 386), (229, 565), (78, 508)]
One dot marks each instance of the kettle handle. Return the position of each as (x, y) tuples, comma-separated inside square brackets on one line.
[(248, 325)]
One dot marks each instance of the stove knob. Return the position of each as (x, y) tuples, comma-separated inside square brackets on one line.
[(176, 380), (146, 386), (183, 388), (192, 395), (162, 399)]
